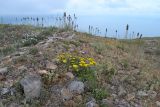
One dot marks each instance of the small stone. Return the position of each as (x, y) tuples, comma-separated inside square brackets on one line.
[(114, 95), (130, 96), (152, 94), (121, 103), (5, 91), (122, 91), (9, 83), (69, 75), (121, 72), (42, 72), (142, 94), (51, 66), (31, 85), (66, 94), (91, 103), (76, 87), (158, 103), (3, 71)]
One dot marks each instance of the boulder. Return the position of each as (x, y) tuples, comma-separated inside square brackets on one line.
[(76, 87), (31, 85)]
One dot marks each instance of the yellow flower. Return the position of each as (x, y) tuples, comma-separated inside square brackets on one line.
[(92, 63), (73, 58), (85, 65), (82, 59), (80, 64), (64, 61), (75, 67), (90, 59)]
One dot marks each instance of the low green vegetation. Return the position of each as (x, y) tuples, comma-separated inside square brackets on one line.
[(7, 50), (81, 66), (99, 47), (33, 51)]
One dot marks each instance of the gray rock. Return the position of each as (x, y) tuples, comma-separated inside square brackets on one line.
[(142, 94), (158, 103), (122, 103), (3, 71), (76, 87), (121, 91), (152, 94), (5, 91), (31, 85), (91, 103)]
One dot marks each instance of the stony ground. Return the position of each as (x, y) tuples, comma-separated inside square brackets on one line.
[(127, 72)]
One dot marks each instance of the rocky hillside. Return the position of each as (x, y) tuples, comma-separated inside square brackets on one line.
[(50, 67)]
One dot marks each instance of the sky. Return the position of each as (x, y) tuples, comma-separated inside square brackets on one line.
[(82, 7), (147, 10)]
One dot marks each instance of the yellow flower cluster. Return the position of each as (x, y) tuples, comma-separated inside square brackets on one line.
[(63, 57), (75, 62), (86, 62)]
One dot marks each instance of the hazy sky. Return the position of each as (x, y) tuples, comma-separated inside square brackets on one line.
[(81, 7), (142, 15)]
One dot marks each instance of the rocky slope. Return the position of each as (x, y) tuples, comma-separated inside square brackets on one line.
[(126, 73)]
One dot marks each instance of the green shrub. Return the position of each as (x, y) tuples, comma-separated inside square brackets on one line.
[(30, 41), (99, 94)]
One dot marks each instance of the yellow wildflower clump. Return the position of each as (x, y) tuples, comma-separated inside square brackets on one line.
[(75, 62)]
